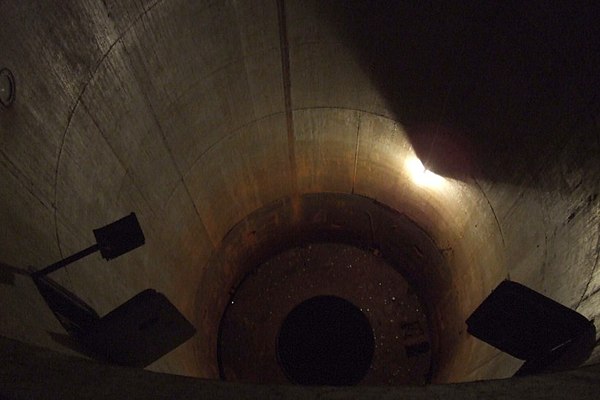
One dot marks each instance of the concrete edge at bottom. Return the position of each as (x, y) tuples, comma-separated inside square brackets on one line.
[(31, 372)]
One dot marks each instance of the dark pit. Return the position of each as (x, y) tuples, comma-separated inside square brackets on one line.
[(325, 340)]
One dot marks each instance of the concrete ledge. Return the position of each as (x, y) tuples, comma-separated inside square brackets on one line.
[(30, 372)]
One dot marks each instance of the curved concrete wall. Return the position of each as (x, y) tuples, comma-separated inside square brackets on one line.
[(196, 114)]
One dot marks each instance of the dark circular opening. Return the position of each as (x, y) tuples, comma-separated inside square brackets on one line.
[(7, 88), (325, 340)]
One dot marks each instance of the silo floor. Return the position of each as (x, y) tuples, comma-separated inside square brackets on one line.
[(252, 321)]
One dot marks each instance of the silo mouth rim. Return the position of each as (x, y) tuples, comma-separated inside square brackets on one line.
[(352, 219)]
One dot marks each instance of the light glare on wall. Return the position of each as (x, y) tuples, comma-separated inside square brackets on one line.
[(421, 176)]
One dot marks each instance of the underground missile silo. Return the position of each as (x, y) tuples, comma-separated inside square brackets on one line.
[(458, 144)]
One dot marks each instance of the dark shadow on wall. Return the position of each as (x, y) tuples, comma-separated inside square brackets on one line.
[(135, 334), (484, 89), (71, 343), (8, 272)]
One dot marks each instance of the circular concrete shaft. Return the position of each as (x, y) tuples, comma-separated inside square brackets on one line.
[(325, 340), (233, 126)]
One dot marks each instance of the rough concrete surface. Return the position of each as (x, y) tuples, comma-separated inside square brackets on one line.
[(214, 120)]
